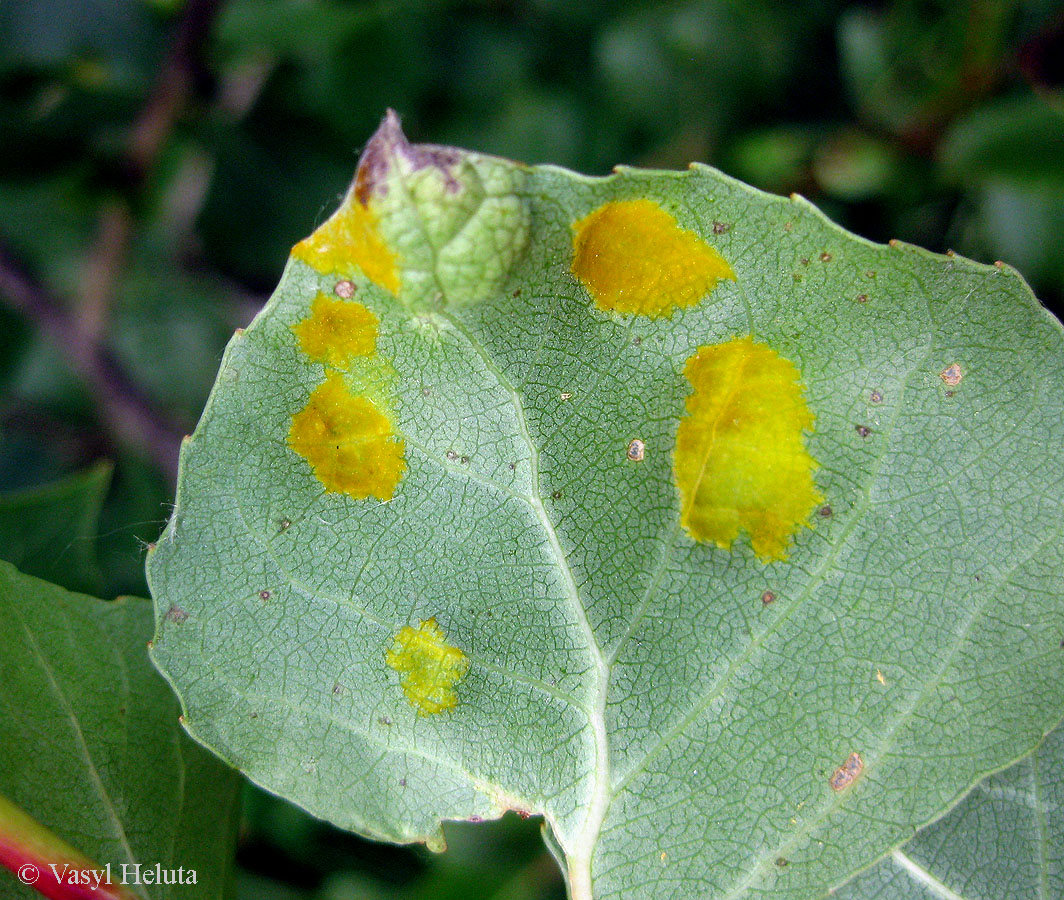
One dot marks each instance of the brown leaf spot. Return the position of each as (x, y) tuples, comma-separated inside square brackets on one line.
[(344, 289), (721, 227), (636, 450), (862, 298), (846, 774), (952, 374), (264, 595), (781, 861), (876, 397), (863, 430), (565, 395), (767, 598), (825, 256), (176, 615), (824, 512)]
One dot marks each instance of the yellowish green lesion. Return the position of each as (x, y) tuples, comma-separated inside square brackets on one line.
[(350, 242), (740, 462), (336, 331), (429, 666), (350, 443), (633, 258)]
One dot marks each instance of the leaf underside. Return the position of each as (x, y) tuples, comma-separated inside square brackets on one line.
[(1006, 838), (691, 718)]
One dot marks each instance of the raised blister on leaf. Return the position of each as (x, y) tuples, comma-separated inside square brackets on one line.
[(429, 666), (434, 225), (336, 331), (740, 460), (633, 258), (350, 444)]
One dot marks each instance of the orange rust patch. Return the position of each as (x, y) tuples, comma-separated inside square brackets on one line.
[(350, 444), (952, 374), (336, 331), (350, 241), (847, 773), (740, 461), (633, 258)]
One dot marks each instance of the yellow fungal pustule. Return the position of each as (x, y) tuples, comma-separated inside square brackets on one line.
[(740, 459), (336, 331), (350, 444), (633, 258), (429, 666), (350, 242)]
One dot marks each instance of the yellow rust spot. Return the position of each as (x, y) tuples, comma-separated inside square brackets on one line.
[(349, 443), (429, 666), (740, 460), (847, 773), (633, 258), (336, 331), (350, 241)]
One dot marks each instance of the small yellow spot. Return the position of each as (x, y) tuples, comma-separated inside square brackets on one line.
[(349, 443), (337, 330), (952, 374), (880, 678), (429, 666), (633, 258), (350, 241), (740, 460)]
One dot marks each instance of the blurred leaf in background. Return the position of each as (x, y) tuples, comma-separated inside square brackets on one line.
[(158, 159)]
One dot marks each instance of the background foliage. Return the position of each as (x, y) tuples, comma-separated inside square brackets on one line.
[(158, 159)]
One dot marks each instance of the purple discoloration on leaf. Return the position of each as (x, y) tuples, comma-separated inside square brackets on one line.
[(386, 144)]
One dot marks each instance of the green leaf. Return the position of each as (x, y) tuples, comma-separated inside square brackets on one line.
[(1018, 141), (1006, 836), (91, 746), (50, 531), (433, 562)]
